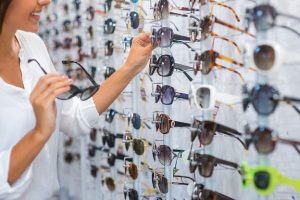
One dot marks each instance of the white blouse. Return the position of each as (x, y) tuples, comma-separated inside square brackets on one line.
[(17, 118)]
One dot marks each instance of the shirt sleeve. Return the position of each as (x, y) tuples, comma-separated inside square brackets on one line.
[(78, 116), (16, 190)]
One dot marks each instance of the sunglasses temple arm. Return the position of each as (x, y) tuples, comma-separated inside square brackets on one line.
[(228, 40), (228, 129), (88, 74), (233, 27), (245, 145), (182, 95), (232, 70), (288, 181), (288, 16), (181, 124), (288, 28), (178, 67), (181, 37), (184, 43), (228, 163), (30, 60), (229, 8)]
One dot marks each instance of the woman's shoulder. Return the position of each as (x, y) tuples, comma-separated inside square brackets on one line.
[(32, 39)]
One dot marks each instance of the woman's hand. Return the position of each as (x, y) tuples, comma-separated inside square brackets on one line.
[(140, 52), (43, 101)]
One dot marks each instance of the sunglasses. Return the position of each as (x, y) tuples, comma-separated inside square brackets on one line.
[(165, 66), (160, 181), (165, 154), (109, 26), (265, 179), (164, 123), (201, 193), (131, 193), (206, 61), (265, 99), (109, 48), (108, 72), (167, 94), (206, 164), (133, 19), (138, 145), (110, 138), (84, 94), (110, 183), (110, 115), (264, 17), (265, 140), (165, 37), (206, 130), (131, 168), (70, 157)]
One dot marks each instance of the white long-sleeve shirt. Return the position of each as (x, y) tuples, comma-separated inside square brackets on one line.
[(17, 118)]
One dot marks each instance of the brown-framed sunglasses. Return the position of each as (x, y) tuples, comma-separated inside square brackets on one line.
[(164, 123), (206, 61)]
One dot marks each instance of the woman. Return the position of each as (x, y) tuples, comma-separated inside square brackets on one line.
[(30, 114)]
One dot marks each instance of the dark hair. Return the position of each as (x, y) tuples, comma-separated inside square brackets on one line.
[(3, 8)]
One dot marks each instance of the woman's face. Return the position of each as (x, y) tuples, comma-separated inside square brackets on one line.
[(24, 15)]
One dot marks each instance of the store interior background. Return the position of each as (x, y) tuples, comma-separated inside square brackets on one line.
[(75, 178)]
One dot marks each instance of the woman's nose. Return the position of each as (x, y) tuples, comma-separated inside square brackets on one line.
[(44, 2)]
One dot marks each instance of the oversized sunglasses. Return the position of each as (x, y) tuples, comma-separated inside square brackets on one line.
[(264, 17), (167, 94), (165, 66), (165, 154), (201, 193), (74, 90), (265, 99), (206, 164), (206, 130), (265, 179), (164, 123), (265, 140), (206, 61)]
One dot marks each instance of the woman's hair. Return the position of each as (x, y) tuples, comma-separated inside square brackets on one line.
[(3, 8)]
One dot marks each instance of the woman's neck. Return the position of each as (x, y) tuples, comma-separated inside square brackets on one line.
[(9, 44)]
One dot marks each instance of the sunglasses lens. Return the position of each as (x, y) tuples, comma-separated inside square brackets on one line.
[(263, 99), (263, 17), (163, 185), (111, 160), (165, 65), (165, 35), (67, 95), (133, 171), (207, 60), (192, 167), (164, 154), (158, 93), (206, 167), (111, 140), (207, 132), (93, 135), (136, 121), (138, 146), (262, 180), (110, 184), (94, 171), (168, 94), (134, 20), (264, 57), (264, 143), (203, 97), (89, 92), (164, 124), (133, 194), (193, 135)]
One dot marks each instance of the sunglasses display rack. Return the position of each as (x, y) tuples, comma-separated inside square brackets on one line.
[(189, 151)]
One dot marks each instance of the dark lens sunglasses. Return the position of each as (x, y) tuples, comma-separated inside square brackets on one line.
[(160, 181), (132, 169), (134, 19), (164, 123), (110, 138), (201, 193), (206, 164), (167, 94), (131, 193), (265, 99), (165, 65), (206, 130), (84, 94), (264, 57), (110, 183), (165, 154), (265, 141), (110, 115), (109, 48), (108, 72), (109, 26), (70, 157), (264, 17)]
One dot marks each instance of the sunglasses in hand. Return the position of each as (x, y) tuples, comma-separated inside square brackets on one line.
[(265, 140), (165, 66), (265, 99), (84, 94)]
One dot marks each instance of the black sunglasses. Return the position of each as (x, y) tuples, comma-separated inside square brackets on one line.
[(110, 115), (206, 164), (109, 26), (265, 99), (84, 94), (109, 138), (201, 193), (264, 17), (165, 65), (131, 193), (108, 72), (167, 94)]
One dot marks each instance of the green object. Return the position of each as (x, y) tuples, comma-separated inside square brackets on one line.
[(265, 179)]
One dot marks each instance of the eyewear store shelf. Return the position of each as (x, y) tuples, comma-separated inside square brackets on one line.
[(214, 115)]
